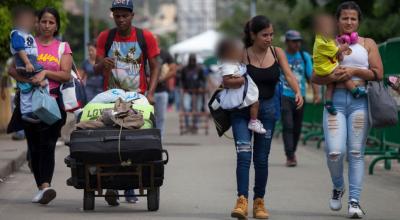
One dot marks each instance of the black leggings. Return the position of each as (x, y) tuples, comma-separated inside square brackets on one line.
[(42, 141), (292, 119)]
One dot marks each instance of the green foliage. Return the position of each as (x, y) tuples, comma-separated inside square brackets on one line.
[(74, 34), (167, 40), (5, 18), (381, 19)]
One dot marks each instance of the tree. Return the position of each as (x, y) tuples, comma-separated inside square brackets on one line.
[(381, 19), (75, 32), (5, 18)]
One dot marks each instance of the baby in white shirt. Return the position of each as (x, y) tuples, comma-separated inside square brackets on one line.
[(229, 52)]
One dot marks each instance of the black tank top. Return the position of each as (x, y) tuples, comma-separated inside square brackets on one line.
[(265, 78)]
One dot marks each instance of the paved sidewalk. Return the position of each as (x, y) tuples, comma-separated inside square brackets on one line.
[(12, 155), (200, 184)]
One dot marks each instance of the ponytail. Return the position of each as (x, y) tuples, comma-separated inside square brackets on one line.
[(248, 42), (255, 25)]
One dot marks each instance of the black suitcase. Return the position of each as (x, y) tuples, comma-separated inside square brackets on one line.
[(113, 145), (95, 162)]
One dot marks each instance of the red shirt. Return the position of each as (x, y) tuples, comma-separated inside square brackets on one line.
[(129, 72)]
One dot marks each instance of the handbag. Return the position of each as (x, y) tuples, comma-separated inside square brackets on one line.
[(382, 108), (73, 94), (44, 106), (220, 116)]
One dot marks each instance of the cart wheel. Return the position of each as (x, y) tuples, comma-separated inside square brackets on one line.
[(153, 199), (88, 201)]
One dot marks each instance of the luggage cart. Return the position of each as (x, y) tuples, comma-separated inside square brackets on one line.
[(193, 114), (94, 178), (115, 159)]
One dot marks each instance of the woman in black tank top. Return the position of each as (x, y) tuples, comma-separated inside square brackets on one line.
[(264, 64)]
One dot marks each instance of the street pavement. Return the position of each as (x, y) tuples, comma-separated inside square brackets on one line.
[(200, 184)]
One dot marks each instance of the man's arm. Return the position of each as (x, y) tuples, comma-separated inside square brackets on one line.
[(171, 72), (103, 65), (154, 67)]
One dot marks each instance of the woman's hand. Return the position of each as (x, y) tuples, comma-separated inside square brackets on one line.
[(299, 100), (345, 73), (38, 78)]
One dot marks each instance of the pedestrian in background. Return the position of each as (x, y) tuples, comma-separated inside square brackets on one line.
[(94, 81), (192, 82), (167, 72), (347, 131), (292, 117)]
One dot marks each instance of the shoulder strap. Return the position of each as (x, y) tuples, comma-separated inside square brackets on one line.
[(142, 42), (305, 63), (109, 41), (61, 49), (248, 57), (274, 53), (143, 46)]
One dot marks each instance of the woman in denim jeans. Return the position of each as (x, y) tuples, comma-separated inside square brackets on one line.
[(346, 132), (264, 64)]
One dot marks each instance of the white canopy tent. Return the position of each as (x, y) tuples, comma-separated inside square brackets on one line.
[(202, 44)]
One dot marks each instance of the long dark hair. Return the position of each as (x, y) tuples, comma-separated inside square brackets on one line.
[(55, 13), (255, 25), (346, 6)]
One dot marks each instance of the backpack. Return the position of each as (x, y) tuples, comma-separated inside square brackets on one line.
[(142, 44)]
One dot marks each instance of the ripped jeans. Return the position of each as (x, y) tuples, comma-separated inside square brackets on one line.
[(260, 148), (346, 133)]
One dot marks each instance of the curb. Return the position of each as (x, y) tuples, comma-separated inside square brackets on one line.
[(12, 165)]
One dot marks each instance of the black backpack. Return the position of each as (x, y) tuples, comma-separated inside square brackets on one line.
[(142, 44)]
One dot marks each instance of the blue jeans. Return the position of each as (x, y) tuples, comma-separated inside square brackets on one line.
[(161, 104), (346, 133), (260, 148)]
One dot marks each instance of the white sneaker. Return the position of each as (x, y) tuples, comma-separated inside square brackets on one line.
[(37, 197), (47, 195), (257, 126), (355, 210), (336, 201)]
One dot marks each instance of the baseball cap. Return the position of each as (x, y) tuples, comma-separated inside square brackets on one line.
[(125, 4), (293, 35)]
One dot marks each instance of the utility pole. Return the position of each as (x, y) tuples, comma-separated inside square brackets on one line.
[(86, 26), (253, 8)]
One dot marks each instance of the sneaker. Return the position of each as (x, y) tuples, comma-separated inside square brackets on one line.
[(37, 197), (47, 195), (240, 210), (355, 210), (18, 136), (291, 162), (330, 108), (358, 92), (259, 210), (130, 196), (111, 197), (336, 201), (257, 126)]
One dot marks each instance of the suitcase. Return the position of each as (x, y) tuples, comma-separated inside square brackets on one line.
[(111, 145)]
